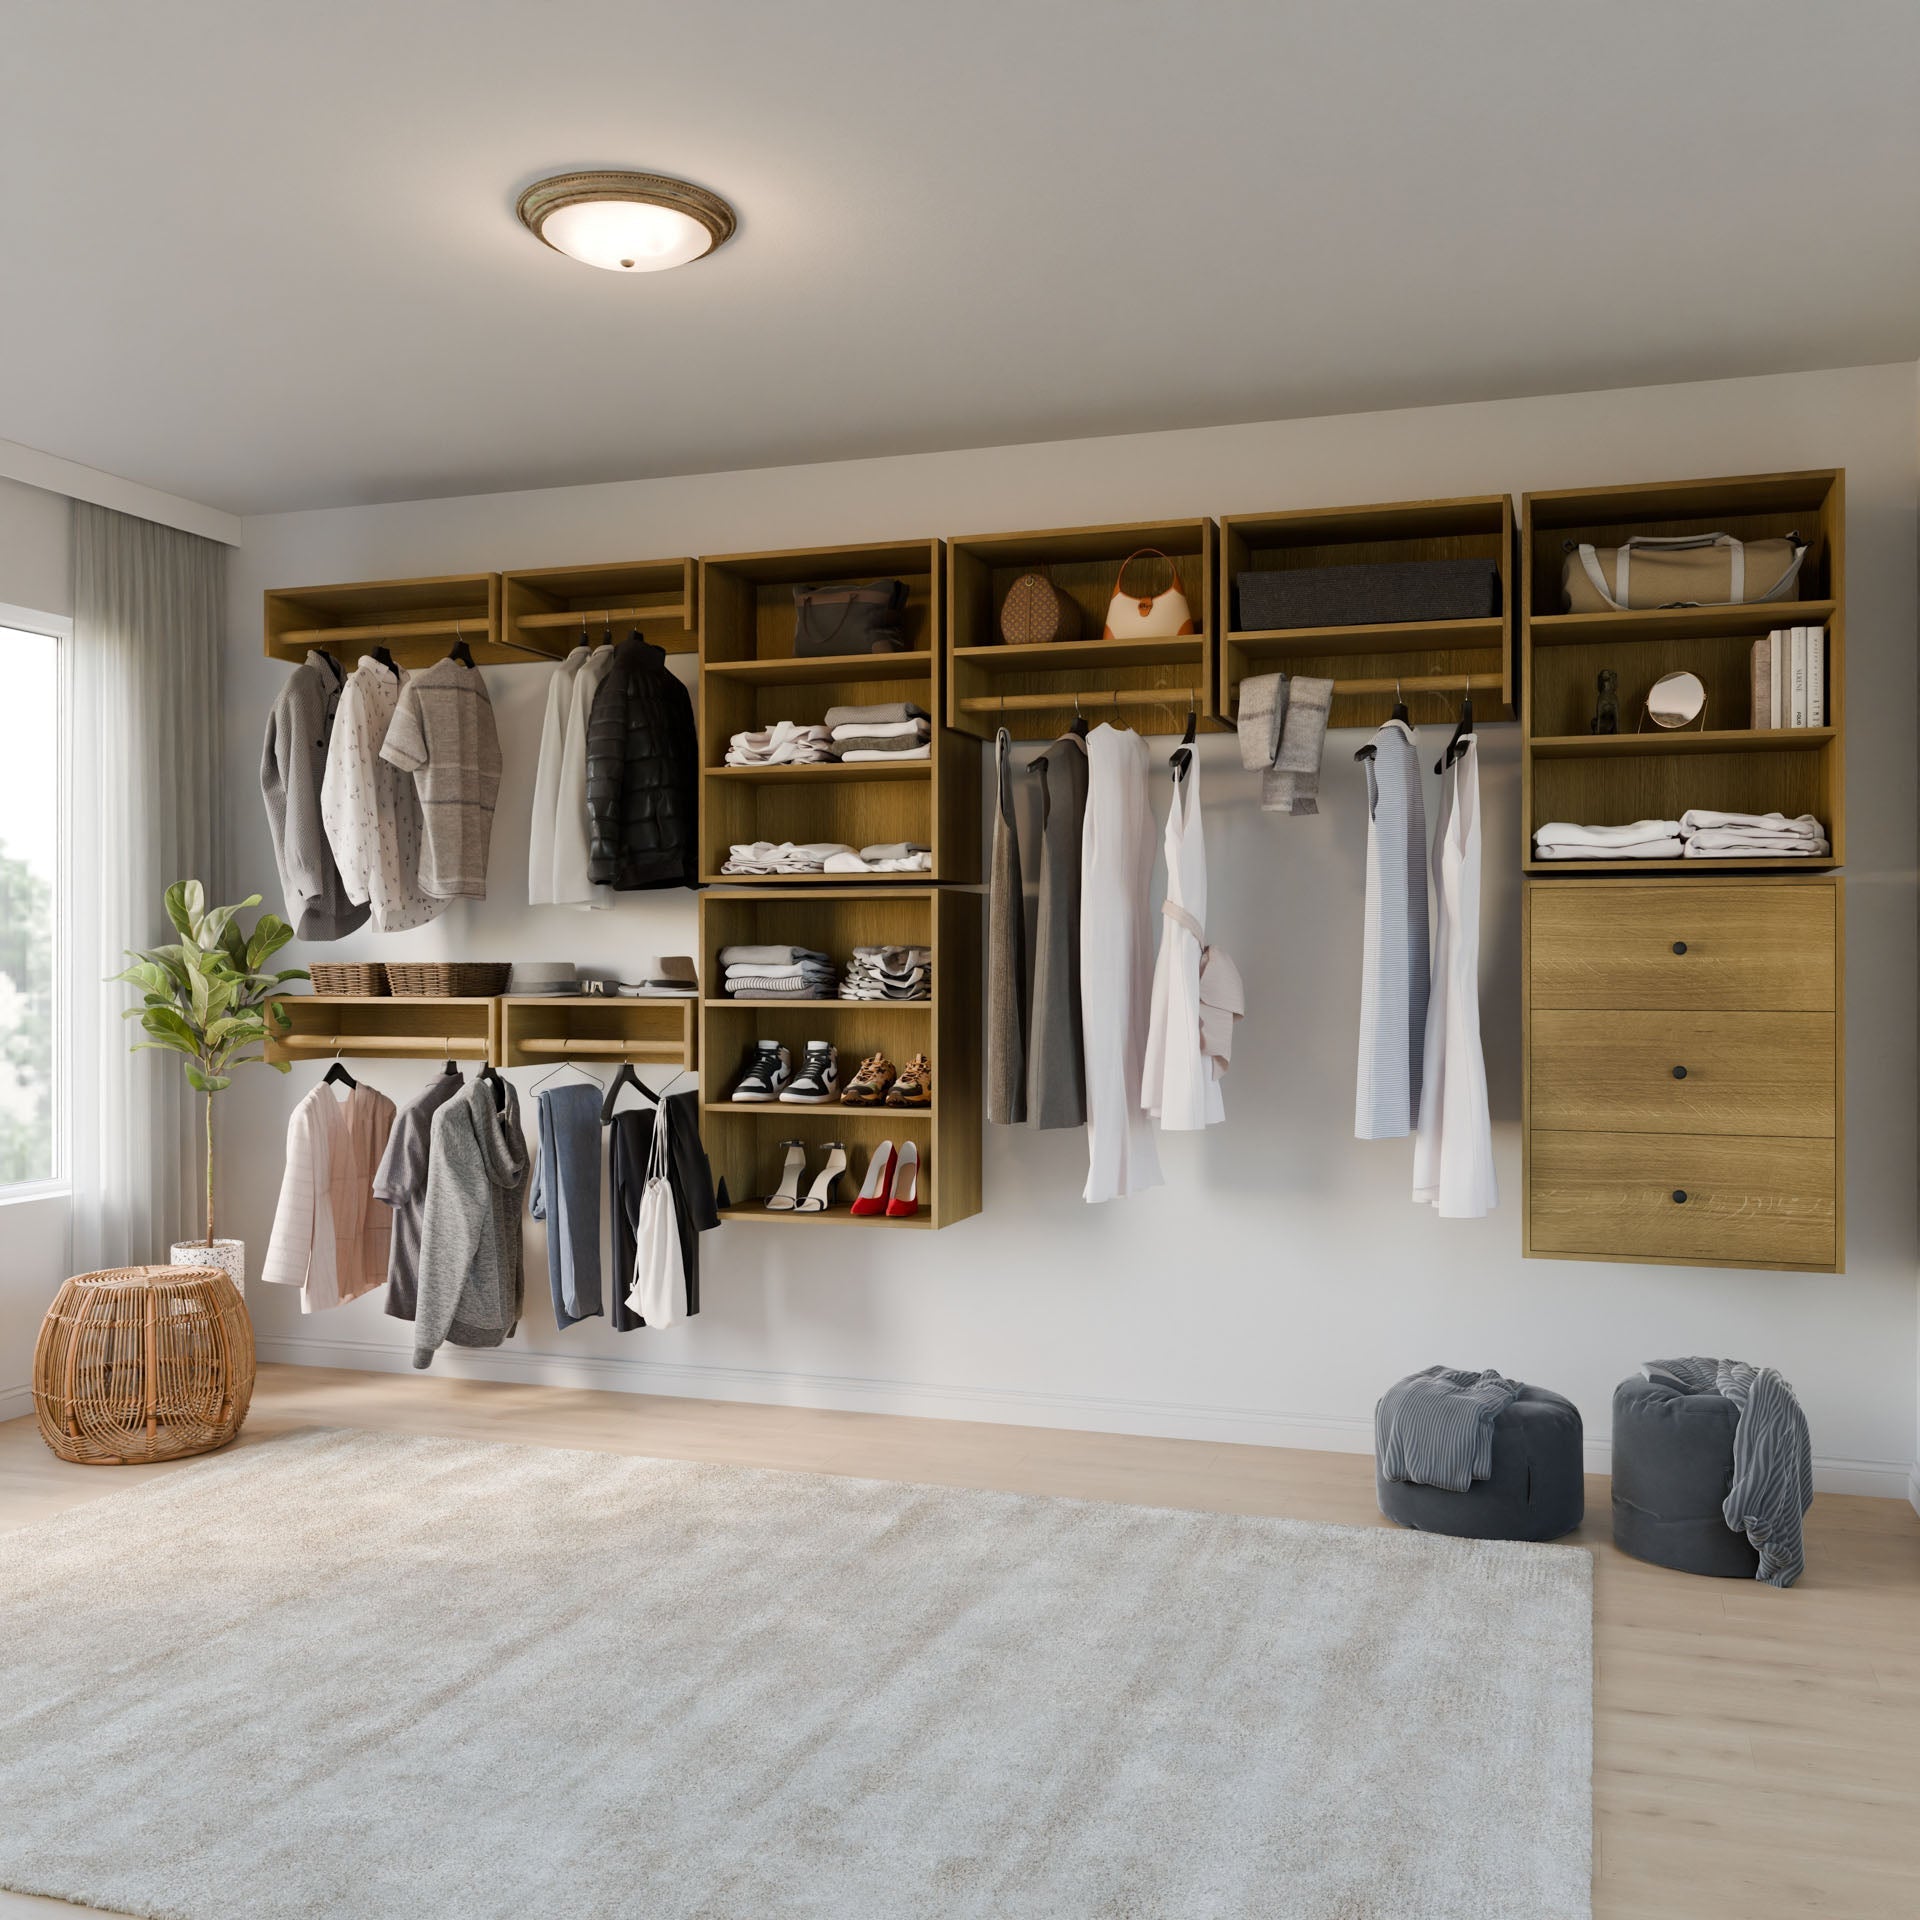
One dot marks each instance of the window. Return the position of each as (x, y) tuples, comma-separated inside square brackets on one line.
[(32, 823)]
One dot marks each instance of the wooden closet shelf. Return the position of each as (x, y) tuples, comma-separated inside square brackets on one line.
[(1064, 656), (592, 617), (473, 630), (793, 671), (1093, 700), (1755, 617), (1601, 746), (569, 1046), (1698, 869), (833, 1215), (823, 772), (778, 1005), (1283, 643), (368, 1045), (776, 1110)]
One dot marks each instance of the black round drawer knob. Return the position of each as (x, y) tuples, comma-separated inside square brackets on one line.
[(1679, 1073), (1679, 946), (1679, 1196)]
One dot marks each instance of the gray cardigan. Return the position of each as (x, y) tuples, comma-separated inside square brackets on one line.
[(292, 762), (471, 1275)]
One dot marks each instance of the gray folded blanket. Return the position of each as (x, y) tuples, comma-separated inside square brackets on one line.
[(882, 713), (1772, 1457), (1283, 727), (770, 956), (1435, 1428)]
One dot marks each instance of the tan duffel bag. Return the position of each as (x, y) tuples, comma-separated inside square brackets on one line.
[(1680, 570)]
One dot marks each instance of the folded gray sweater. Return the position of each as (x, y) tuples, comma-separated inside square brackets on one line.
[(471, 1272), (878, 713)]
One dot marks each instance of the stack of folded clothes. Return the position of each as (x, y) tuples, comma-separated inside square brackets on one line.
[(1711, 835), (777, 973), (888, 730), (891, 856), (889, 973), (782, 856), (1642, 840), (784, 744)]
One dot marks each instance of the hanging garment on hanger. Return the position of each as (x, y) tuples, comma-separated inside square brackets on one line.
[(695, 1209), (1178, 1086), (658, 1294), (546, 778), (293, 762), (1393, 954), (566, 1195), (643, 774), (1006, 953), (1116, 963), (472, 1279), (443, 734), (572, 885), (330, 1234), (1056, 1070), (371, 808), (1453, 1151), (402, 1183)]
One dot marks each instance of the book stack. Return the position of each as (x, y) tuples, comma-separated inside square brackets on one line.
[(1790, 678)]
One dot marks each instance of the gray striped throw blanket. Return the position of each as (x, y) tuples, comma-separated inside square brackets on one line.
[(1772, 1457), (1436, 1428)]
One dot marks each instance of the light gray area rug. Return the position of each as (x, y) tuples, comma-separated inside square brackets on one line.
[(346, 1676)]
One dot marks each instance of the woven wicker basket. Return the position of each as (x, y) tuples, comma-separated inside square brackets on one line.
[(354, 977), (449, 979), (142, 1363)]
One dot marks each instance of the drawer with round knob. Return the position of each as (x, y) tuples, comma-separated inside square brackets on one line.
[(1723, 1200), (1684, 1072)]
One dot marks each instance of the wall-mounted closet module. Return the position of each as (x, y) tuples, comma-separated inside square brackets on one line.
[(1063, 584), (838, 709), (326, 1026), (1406, 599), (416, 621), (1723, 762), (554, 609), (539, 1029), (934, 933)]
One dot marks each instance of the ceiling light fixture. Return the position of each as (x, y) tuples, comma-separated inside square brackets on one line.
[(625, 222)]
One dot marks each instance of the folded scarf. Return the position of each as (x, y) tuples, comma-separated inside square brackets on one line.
[(1263, 705), (751, 987), (1635, 850), (879, 753), (1707, 819), (1564, 833), (883, 713), (1292, 783)]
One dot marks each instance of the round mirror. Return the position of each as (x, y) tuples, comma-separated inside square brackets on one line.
[(1676, 700)]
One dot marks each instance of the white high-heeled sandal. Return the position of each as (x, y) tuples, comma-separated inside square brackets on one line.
[(819, 1196), (785, 1198)]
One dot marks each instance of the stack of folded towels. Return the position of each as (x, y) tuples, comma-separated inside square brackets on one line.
[(889, 973), (1642, 840), (783, 856), (891, 856), (784, 744), (888, 730), (1711, 835), (775, 973)]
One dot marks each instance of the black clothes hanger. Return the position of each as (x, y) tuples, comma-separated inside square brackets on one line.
[(499, 1087), (626, 1077), (333, 666), (385, 658), (452, 1067), (1461, 734), (1399, 713), (338, 1076), (1182, 756), (462, 652)]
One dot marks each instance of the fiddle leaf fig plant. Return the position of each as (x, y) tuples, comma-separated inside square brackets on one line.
[(209, 996)]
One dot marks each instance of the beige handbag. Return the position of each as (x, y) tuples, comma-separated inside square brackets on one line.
[(1159, 616), (1679, 570)]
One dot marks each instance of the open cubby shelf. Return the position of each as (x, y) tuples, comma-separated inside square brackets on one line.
[(417, 621), (538, 1029), (751, 678), (1030, 689), (1434, 661), (383, 1027), (507, 1031), (1569, 773), (743, 1145), (554, 609)]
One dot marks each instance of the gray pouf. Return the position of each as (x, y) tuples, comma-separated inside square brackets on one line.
[(1672, 1466), (1537, 1490)]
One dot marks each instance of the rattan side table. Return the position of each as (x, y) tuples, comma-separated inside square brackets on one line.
[(143, 1363)]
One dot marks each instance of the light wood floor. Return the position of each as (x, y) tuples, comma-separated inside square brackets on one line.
[(1756, 1753)]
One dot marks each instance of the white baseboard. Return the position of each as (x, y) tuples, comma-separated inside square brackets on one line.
[(1005, 1406), (1913, 1486), (16, 1402)]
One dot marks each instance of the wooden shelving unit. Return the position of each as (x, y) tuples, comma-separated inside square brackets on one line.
[(744, 1140), (554, 609), (1433, 661), (1031, 690), (1642, 772), (750, 678), (379, 1027), (418, 621), (539, 1029)]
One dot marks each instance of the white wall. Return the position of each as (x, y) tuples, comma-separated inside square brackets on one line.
[(1282, 1278)]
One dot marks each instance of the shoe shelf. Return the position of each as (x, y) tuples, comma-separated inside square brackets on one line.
[(742, 1140), (552, 610), (1432, 661), (1642, 772), (542, 1029), (1031, 689), (417, 621), (326, 1026), (750, 678)]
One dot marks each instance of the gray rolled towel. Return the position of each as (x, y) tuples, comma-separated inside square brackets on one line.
[(1292, 783), (1263, 708)]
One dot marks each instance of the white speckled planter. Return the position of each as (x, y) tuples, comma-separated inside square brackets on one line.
[(230, 1256)]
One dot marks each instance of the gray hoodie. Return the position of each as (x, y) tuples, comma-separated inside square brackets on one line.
[(292, 762), (470, 1273)]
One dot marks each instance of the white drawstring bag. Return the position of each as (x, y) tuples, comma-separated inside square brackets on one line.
[(659, 1292)]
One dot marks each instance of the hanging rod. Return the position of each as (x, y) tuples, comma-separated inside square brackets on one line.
[(653, 1050), (1422, 683), (591, 617), (449, 628), (377, 1043), (1092, 700)]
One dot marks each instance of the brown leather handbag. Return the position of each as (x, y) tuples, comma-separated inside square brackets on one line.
[(1036, 612), (1156, 616)]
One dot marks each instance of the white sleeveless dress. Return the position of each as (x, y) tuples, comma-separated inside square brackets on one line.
[(1179, 1085)]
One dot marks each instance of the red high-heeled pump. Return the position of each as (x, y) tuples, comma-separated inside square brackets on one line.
[(878, 1184), (904, 1200)]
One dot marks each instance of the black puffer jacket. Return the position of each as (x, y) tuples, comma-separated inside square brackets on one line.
[(642, 775)]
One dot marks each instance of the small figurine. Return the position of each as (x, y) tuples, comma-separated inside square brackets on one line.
[(1606, 714)]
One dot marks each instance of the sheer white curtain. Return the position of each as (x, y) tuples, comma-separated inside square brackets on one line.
[(148, 610)]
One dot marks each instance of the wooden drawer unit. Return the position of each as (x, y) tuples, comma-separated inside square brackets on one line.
[(1684, 1071)]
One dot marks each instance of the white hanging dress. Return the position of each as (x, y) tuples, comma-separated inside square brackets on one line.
[(1116, 963), (1453, 1149), (1179, 1087)]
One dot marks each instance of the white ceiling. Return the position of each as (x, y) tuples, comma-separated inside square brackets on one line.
[(262, 252)]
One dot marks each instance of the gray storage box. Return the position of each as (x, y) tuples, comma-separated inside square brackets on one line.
[(1377, 595)]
